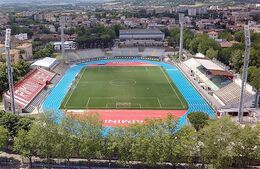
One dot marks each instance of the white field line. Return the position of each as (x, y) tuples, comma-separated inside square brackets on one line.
[(172, 87), (159, 102), (152, 108), (88, 102), (74, 88)]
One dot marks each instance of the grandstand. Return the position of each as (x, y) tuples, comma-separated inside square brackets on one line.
[(230, 94), (84, 55), (210, 75), (153, 53), (143, 43), (125, 52), (28, 88), (219, 82)]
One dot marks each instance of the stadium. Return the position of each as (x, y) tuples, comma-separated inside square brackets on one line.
[(127, 85), (124, 88)]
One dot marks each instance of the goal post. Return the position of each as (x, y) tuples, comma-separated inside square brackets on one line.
[(123, 105)]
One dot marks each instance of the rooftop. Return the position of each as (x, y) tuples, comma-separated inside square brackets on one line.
[(45, 62), (141, 31), (24, 45)]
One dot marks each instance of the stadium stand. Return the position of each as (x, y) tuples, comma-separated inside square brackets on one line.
[(26, 90), (60, 68), (210, 75), (153, 53), (143, 43), (125, 52), (84, 55), (219, 82), (230, 94)]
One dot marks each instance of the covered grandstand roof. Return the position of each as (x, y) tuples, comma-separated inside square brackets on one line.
[(30, 86), (212, 67), (155, 34), (208, 64), (209, 72), (141, 31), (45, 62)]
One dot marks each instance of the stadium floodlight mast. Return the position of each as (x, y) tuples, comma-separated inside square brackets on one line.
[(62, 25), (9, 68), (181, 20), (245, 70)]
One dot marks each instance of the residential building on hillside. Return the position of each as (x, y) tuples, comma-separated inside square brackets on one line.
[(14, 54), (68, 45), (26, 51)]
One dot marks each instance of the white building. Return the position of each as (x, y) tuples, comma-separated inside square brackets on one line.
[(52, 28), (68, 45), (21, 36)]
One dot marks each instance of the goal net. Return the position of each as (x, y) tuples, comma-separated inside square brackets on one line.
[(123, 104)]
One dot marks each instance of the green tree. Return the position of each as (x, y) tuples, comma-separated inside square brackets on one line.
[(254, 80), (3, 78), (149, 142), (180, 147), (46, 132), (3, 136), (211, 53), (9, 121), (14, 123), (67, 145), (236, 59), (217, 142), (239, 36), (89, 137), (225, 35), (198, 120), (26, 143), (21, 68), (47, 51), (247, 146)]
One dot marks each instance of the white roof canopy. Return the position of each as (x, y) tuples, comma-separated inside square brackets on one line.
[(209, 65), (45, 62)]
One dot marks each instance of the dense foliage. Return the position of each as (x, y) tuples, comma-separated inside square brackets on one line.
[(198, 120), (220, 143), (45, 51), (96, 37), (20, 69), (14, 123)]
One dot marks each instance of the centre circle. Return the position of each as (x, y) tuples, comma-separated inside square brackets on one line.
[(122, 82)]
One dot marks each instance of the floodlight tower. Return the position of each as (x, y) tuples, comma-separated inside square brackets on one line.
[(245, 70), (62, 25), (181, 20), (9, 68)]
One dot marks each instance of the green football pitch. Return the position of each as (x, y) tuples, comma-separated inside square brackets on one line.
[(123, 88)]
